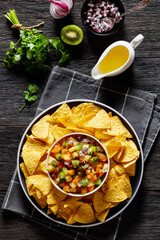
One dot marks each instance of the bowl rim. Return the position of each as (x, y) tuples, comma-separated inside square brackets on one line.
[(19, 170), (106, 175), (110, 32)]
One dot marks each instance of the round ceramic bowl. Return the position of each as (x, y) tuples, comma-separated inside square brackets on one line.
[(135, 181), (116, 27), (83, 135)]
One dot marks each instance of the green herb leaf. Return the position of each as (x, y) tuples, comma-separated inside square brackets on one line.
[(12, 45), (28, 95), (33, 49), (33, 88), (32, 98), (17, 57), (65, 58)]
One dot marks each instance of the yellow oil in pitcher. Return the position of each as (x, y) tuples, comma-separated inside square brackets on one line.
[(114, 59)]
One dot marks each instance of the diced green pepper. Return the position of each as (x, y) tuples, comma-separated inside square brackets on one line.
[(85, 166), (54, 164), (78, 147), (84, 182), (87, 158), (62, 175), (64, 144), (62, 180), (75, 163), (59, 156), (98, 182), (95, 160), (72, 185), (99, 149), (93, 149)]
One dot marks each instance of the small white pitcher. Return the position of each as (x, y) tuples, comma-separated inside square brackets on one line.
[(130, 46)]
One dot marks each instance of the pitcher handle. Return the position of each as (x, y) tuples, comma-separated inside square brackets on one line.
[(136, 41)]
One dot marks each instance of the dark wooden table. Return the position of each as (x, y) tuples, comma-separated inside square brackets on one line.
[(142, 219)]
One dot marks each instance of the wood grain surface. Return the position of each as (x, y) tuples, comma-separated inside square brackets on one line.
[(142, 218)]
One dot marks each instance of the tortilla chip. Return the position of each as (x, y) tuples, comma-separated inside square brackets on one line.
[(30, 187), (50, 138), (99, 120), (41, 168), (55, 196), (64, 212), (39, 194), (119, 189), (24, 169), (99, 202), (117, 128), (120, 170), (99, 135), (71, 201), (112, 174), (102, 216), (69, 120), (59, 132), (71, 219), (113, 147), (63, 110), (104, 187), (85, 214), (84, 109), (74, 129), (114, 204), (41, 129), (32, 152), (54, 208), (130, 152), (89, 198), (130, 168), (49, 211), (41, 182), (41, 202), (118, 154)]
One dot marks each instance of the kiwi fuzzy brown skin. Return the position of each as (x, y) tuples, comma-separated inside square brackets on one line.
[(72, 35)]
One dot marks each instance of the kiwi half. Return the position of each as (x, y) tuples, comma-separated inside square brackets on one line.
[(72, 35)]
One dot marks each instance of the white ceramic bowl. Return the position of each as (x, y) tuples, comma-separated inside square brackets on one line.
[(85, 135)]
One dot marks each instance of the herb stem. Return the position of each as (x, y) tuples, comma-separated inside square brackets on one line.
[(22, 107), (18, 41), (35, 26)]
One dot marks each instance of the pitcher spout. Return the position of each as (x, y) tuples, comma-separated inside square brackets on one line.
[(95, 73)]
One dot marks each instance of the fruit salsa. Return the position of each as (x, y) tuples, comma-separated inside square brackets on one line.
[(77, 164)]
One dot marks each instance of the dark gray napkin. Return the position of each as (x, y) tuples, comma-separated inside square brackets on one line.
[(137, 106)]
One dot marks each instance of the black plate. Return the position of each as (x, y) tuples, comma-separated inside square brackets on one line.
[(135, 181)]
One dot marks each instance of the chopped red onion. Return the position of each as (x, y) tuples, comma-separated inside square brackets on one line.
[(85, 150), (70, 143), (81, 154), (98, 11), (85, 140)]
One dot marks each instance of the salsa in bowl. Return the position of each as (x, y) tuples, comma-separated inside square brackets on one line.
[(77, 164)]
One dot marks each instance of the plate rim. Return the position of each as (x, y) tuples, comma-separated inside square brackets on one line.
[(21, 145)]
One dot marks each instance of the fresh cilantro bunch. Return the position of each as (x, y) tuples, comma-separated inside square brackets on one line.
[(29, 95), (33, 51)]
